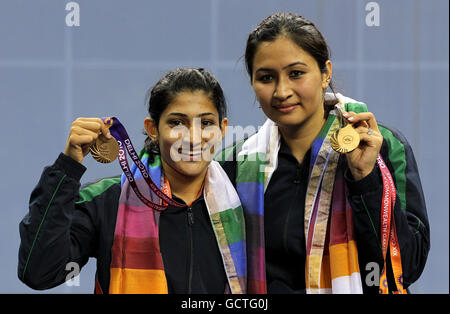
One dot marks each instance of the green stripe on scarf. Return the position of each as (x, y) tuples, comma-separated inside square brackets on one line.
[(156, 158), (326, 127), (250, 168), (227, 153), (232, 221)]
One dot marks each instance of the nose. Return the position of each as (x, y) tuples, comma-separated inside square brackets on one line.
[(282, 89), (194, 134)]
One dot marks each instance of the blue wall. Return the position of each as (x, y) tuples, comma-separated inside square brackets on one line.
[(51, 73)]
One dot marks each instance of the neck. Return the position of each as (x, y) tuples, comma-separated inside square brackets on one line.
[(183, 186), (299, 138)]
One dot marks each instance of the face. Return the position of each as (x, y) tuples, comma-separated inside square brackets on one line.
[(288, 83), (188, 130)]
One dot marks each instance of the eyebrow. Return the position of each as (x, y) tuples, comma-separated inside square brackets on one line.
[(288, 66), (179, 114)]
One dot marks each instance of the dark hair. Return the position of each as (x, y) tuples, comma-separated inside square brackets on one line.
[(300, 30), (176, 82)]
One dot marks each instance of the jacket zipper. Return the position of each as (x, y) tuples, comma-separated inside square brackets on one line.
[(286, 224), (190, 218)]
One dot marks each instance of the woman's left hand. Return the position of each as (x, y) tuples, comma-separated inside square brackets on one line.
[(362, 160)]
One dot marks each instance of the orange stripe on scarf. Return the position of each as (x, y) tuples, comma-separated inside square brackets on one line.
[(133, 279)]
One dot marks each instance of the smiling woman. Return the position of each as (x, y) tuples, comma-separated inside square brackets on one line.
[(197, 247), (313, 215), (181, 106), (289, 86)]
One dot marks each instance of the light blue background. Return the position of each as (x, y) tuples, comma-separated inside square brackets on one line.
[(51, 74)]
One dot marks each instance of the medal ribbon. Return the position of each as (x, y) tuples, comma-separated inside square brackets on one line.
[(118, 131), (166, 188), (389, 232)]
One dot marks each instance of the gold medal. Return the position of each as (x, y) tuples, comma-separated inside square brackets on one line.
[(105, 150), (345, 139)]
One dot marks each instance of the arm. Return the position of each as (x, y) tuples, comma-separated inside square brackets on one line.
[(58, 230), (409, 211), (55, 231)]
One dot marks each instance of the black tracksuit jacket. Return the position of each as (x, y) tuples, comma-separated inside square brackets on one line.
[(64, 225)]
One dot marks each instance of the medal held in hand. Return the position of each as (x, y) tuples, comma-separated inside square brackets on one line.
[(346, 138), (105, 150)]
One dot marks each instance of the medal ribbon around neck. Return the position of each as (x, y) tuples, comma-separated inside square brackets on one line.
[(118, 131)]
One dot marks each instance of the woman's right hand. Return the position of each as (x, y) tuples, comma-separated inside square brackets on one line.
[(83, 133)]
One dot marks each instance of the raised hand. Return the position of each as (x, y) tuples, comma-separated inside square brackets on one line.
[(83, 133), (362, 160)]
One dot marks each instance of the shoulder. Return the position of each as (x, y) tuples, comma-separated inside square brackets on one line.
[(395, 144), (399, 157)]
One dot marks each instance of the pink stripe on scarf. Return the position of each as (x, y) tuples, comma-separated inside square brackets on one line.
[(140, 222)]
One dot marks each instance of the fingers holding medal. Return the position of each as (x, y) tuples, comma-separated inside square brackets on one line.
[(362, 159), (367, 127), (345, 139), (86, 133), (361, 129), (105, 150)]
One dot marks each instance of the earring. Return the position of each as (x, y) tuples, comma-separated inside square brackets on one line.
[(325, 85)]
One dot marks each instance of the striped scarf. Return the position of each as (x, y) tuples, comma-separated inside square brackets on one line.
[(332, 258), (136, 261)]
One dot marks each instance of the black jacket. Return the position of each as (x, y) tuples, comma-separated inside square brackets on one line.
[(61, 228), (65, 226), (285, 246)]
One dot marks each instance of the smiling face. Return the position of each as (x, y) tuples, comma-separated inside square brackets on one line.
[(289, 84), (187, 132)]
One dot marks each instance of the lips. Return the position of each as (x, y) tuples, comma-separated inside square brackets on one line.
[(189, 152), (190, 155), (286, 108)]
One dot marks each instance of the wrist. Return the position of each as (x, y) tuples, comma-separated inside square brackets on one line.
[(70, 166), (359, 175), (370, 182), (72, 153)]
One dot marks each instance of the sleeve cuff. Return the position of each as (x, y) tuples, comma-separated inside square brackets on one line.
[(71, 167), (369, 183)]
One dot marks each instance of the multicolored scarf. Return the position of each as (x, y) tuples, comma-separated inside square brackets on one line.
[(137, 265), (332, 257)]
